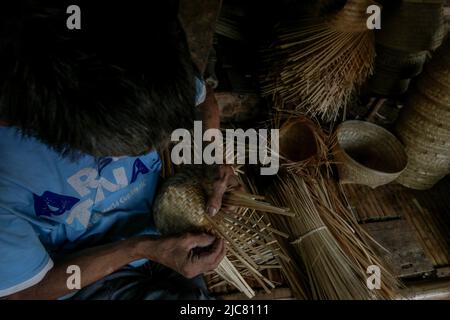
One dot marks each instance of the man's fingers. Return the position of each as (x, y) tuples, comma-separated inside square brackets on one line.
[(233, 182), (215, 200), (238, 187), (205, 261), (219, 256), (199, 240), (213, 257)]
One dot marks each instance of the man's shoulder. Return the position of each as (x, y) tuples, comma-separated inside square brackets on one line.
[(23, 156)]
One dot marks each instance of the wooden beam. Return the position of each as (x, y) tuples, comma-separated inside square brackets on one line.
[(406, 256), (198, 18), (429, 290)]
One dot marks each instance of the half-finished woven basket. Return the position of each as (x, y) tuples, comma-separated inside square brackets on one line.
[(251, 247)]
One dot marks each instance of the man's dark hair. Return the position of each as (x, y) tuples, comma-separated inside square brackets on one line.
[(119, 86)]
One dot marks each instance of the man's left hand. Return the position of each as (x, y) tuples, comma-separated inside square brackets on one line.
[(224, 179)]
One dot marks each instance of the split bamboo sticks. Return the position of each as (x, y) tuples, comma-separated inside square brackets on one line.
[(252, 247), (316, 65)]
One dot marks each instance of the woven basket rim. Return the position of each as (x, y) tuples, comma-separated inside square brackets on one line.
[(359, 165)]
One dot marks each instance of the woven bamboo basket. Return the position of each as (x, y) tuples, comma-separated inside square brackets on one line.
[(400, 63), (424, 125), (368, 154), (412, 135), (420, 179), (301, 143), (251, 246), (437, 92), (413, 26), (388, 84)]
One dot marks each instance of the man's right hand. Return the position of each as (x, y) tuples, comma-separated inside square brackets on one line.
[(177, 253)]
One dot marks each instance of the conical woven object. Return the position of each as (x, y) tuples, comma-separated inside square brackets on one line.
[(302, 142), (316, 65), (424, 125), (180, 207)]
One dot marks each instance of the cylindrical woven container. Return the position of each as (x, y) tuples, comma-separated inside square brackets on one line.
[(413, 26), (368, 154), (424, 125), (388, 84), (400, 63)]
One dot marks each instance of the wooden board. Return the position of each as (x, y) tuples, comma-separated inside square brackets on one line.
[(428, 212), (406, 256)]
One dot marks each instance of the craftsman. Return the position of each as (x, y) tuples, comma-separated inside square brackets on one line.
[(82, 113)]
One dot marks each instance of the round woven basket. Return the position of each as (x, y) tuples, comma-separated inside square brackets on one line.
[(424, 125), (368, 154), (413, 27), (388, 84), (428, 118), (437, 92), (400, 63), (419, 180), (411, 133)]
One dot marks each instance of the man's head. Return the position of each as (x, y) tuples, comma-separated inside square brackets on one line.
[(119, 86)]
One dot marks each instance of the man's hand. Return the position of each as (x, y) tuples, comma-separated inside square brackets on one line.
[(189, 254), (223, 175), (223, 179)]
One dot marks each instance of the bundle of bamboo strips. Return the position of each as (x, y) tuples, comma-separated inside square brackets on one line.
[(331, 274), (180, 207), (334, 249), (316, 65), (331, 247), (292, 269)]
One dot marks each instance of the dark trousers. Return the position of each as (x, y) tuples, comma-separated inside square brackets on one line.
[(149, 282)]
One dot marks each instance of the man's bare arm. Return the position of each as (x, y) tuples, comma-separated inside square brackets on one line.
[(98, 262), (224, 174), (209, 110)]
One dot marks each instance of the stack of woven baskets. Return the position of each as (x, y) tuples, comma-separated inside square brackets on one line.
[(408, 33), (424, 126)]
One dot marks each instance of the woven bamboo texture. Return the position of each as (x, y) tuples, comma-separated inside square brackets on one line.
[(413, 26), (424, 125), (180, 207), (368, 154)]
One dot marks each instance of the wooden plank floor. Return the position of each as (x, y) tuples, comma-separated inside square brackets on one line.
[(428, 212)]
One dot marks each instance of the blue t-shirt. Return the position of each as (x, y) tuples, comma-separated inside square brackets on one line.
[(52, 206)]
